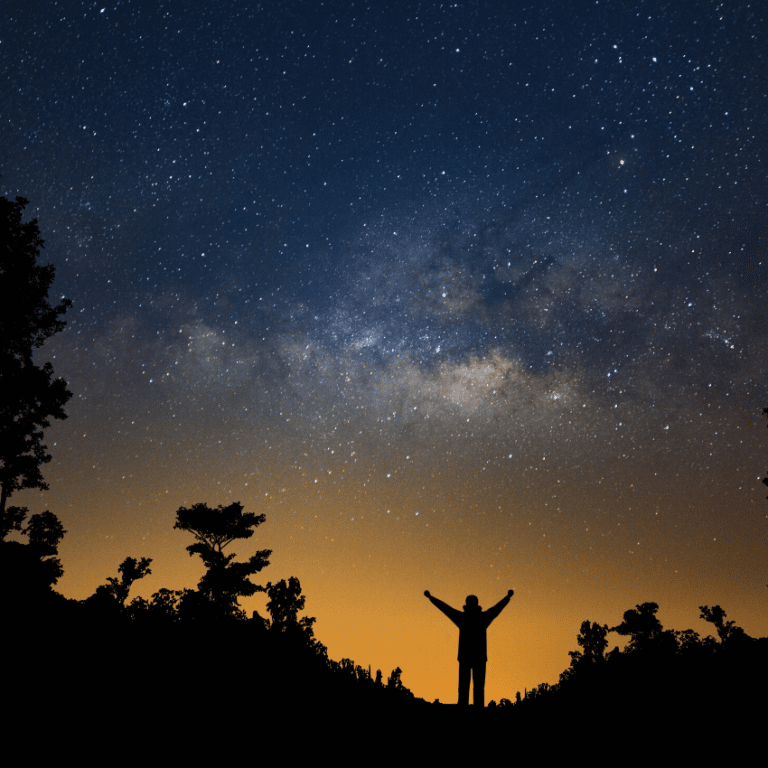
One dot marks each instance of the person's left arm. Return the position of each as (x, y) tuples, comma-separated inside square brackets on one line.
[(492, 613)]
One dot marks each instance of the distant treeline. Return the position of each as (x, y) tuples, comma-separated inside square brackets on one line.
[(179, 645)]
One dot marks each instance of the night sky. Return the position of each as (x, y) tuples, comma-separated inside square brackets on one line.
[(463, 296)]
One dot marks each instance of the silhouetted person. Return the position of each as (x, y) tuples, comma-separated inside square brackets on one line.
[(472, 624)]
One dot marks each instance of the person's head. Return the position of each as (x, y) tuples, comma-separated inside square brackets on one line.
[(472, 604)]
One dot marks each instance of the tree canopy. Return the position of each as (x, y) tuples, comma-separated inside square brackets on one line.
[(30, 394), (644, 629), (214, 529)]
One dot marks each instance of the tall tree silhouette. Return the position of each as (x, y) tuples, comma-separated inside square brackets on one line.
[(29, 395), (224, 580)]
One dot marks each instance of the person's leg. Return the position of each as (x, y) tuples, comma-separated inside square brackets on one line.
[(464, 673), (478, 673)]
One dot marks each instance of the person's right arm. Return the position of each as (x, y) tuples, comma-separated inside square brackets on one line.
[(451, 613)]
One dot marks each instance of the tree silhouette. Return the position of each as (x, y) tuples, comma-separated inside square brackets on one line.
[(130, 570), (45, 532), (285, 602), (395, 684), (29, 572), (641, 625), (645, 630), (726, 630), (592, 639), (107, 603), (224, 580), (30, 396)]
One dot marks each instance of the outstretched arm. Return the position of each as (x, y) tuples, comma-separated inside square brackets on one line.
[(451, 613), (492, 613)]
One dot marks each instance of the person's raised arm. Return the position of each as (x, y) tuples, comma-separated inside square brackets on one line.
[(492, 613), (451, 613)]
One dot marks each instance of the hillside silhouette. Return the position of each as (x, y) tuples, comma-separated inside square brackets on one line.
[(192, 659)]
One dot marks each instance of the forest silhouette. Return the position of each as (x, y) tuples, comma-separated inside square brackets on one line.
[(191, 661)]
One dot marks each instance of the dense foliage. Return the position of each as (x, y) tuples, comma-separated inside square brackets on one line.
[(31, 397)]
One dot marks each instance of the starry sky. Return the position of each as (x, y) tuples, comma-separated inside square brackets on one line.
[(463, 296)]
